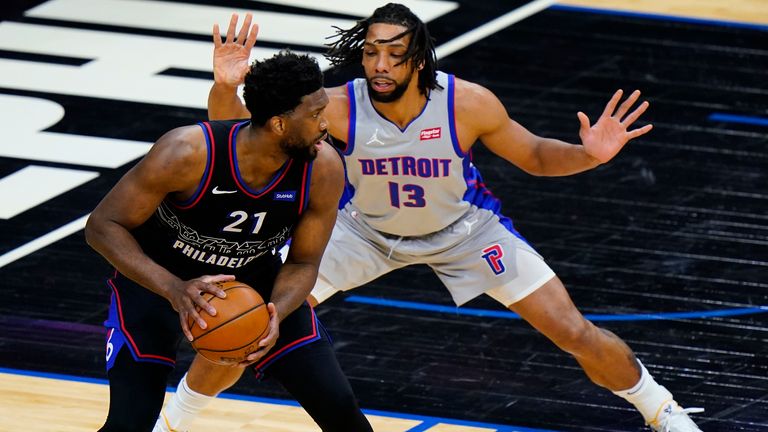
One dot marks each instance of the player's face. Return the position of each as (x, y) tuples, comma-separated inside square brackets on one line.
[(387, 75), (307, 126)]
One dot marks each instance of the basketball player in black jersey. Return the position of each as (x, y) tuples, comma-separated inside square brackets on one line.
[(213, 202)]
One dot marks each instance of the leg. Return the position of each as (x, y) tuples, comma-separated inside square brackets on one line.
[(313, 376), (136, 392), (352, 258), (211, 379), (202, 382), (605, 358)]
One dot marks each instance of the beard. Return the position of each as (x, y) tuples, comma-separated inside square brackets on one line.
[(297, 148), (392, 96)]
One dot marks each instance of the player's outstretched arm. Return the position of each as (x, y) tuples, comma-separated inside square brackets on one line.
[(484, 117), (172, 165), (230, 64)]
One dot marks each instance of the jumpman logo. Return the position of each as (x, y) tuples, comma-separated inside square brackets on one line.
[(375, 139), (469, 224)]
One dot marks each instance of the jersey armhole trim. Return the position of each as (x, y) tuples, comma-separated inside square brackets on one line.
[(352, 118), (452, 117), (207, 174)]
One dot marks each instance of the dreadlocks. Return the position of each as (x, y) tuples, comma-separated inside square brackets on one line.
[(348, 48)]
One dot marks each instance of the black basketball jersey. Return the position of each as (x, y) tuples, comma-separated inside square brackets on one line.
[(225, 227)]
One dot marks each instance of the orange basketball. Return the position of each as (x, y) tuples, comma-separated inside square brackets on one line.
[(241, 321)]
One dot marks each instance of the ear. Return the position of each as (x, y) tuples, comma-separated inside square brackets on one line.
[(421, 66), (277, 125)]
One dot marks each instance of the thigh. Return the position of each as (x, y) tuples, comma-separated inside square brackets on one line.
[(355, 254), (136, 393), (313, 376), (491, 258)]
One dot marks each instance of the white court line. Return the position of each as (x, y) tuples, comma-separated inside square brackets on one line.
[(446, 49), (492, 27), (41, 242)]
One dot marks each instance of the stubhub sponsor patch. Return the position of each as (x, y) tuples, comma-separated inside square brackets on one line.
[(285, 196)]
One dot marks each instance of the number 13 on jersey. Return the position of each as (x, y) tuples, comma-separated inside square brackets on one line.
[(413, 195)]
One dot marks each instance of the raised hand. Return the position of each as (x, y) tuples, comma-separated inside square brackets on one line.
[(231, 58), (610, 133), (186, 296)]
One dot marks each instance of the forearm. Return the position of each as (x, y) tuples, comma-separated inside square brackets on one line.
[(120, 248), (225, 104), (559, 158), (292, 287)]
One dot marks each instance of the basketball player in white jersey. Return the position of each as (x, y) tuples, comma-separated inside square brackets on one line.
[(414, 196)]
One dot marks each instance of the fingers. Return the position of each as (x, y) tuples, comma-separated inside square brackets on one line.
[(243, 35), (251, 40), (624, 107), (583, 119), (185, 327), (194, 316), (216, 36), (634, 115), (608, 111), (211, 284), (200, 302), (640, 131), (232, 28)]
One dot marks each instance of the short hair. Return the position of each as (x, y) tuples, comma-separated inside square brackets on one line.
[(348, 48), (276, 85)]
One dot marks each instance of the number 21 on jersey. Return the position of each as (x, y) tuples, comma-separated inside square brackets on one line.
[(241, 217)]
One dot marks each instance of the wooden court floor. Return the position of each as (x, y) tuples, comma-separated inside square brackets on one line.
[(665, 246)]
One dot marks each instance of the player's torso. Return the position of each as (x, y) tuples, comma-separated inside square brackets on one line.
[(226, 227), (406, 181)]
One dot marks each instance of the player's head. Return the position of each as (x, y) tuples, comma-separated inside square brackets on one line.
[(285, 94), (393, 45)]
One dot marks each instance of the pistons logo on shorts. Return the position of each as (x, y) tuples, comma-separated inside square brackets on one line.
[(493, 255)]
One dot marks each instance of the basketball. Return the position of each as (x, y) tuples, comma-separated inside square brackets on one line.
[(241, 321)]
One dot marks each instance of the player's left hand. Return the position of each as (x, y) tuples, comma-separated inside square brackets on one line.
[(268, 341), (610, 133)]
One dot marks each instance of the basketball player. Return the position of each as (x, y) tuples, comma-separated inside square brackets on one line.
[(212, 202), (414, 196)]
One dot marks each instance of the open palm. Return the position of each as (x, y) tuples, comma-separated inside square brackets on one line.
[(610, 133), (231, 58)]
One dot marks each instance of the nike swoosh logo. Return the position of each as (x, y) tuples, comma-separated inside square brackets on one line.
[(217, 191)]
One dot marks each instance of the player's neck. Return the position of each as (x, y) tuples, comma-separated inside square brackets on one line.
[(259, 156), (402, 111)]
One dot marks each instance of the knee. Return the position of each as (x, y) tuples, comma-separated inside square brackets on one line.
[(577, 335)]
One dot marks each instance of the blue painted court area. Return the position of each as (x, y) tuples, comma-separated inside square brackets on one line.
[(426, 422), (428, 307)]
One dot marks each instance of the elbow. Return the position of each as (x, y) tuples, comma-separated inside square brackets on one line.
[(93, 232)]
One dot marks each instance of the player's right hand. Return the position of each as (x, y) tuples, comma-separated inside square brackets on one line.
[(187, 295), (231, 57)]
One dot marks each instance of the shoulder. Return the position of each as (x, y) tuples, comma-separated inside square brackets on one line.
[(183, 144), (181, 153), (338, 99), (337, 110), (472, 96), (476, 106), (327, 171)]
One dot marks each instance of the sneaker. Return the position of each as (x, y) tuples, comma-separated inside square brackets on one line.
[(673, 418)]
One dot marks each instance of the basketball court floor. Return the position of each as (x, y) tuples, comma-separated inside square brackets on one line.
[(667, 245)]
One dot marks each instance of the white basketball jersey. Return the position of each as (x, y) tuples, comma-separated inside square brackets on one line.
[(412, 181)]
